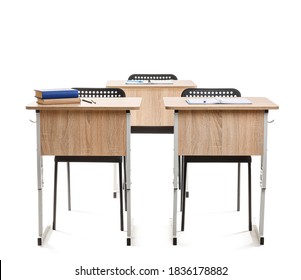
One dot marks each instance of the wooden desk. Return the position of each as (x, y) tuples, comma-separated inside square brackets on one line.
[(220, 129), (101, 129), (152, 116)]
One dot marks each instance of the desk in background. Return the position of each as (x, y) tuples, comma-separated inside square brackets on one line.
[(152, 116), (223, 129), (101, 129)]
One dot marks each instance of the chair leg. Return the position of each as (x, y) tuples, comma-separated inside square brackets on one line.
[(69, 188), (54, 196), (125, 196), (250, 196), (121, 196), (238, 187), (183, 194), (180, 167)]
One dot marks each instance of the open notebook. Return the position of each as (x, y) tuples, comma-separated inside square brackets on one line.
[(218, 100)]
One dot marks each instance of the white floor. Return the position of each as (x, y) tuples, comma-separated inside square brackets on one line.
[(215, 233)]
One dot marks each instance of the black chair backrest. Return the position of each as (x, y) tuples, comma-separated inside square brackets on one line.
[(100, 92), (211, 92), (152, 77)]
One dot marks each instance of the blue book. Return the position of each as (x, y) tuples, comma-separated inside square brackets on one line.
[(56, 93)]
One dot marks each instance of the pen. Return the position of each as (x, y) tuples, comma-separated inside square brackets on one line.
[(87, 101)]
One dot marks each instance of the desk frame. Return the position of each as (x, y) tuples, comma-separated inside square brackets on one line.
[(260, 104), (260, 231), (42, 232)]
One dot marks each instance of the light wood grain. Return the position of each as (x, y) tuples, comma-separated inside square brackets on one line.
[(221, 132), (100, 104), (152, 111), (258, 103), (83, 133)]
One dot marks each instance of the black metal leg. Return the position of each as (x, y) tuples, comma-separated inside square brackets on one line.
[(238, 187), (54, 196), (69, 188), (183, 196), (121, 196), (250, 195), (125, 196)]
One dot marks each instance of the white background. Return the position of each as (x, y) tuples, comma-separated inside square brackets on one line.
[(253, 46)]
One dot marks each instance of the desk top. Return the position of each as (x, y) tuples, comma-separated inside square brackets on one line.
[(176, 83), (258, 103), (128, 103)]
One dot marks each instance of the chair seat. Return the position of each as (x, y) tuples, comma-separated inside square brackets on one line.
[(88, 158), (152, 129)]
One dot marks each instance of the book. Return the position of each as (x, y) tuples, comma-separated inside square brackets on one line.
[(56, 93), (161, 82), (218, 100), (54, 101), (141, 82), (136, 82)]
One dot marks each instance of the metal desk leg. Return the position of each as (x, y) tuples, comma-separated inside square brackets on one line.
[(175, 181), (115, 180), (69, 187), (263, 173), (181, 185), (128, 177), (41, 232), (238, 186)]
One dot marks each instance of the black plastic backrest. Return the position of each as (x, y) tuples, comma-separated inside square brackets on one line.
[(152, 77), (211, 92), (100, 92)]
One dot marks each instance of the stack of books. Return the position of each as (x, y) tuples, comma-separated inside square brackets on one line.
[(57, 96)]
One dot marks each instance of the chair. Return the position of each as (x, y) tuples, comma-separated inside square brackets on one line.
[(152, 77), (86, 93), (215, 92)]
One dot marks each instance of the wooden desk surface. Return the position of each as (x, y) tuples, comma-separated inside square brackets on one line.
[(176, 83), (258, 103), (128, 103), (152, 112)]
